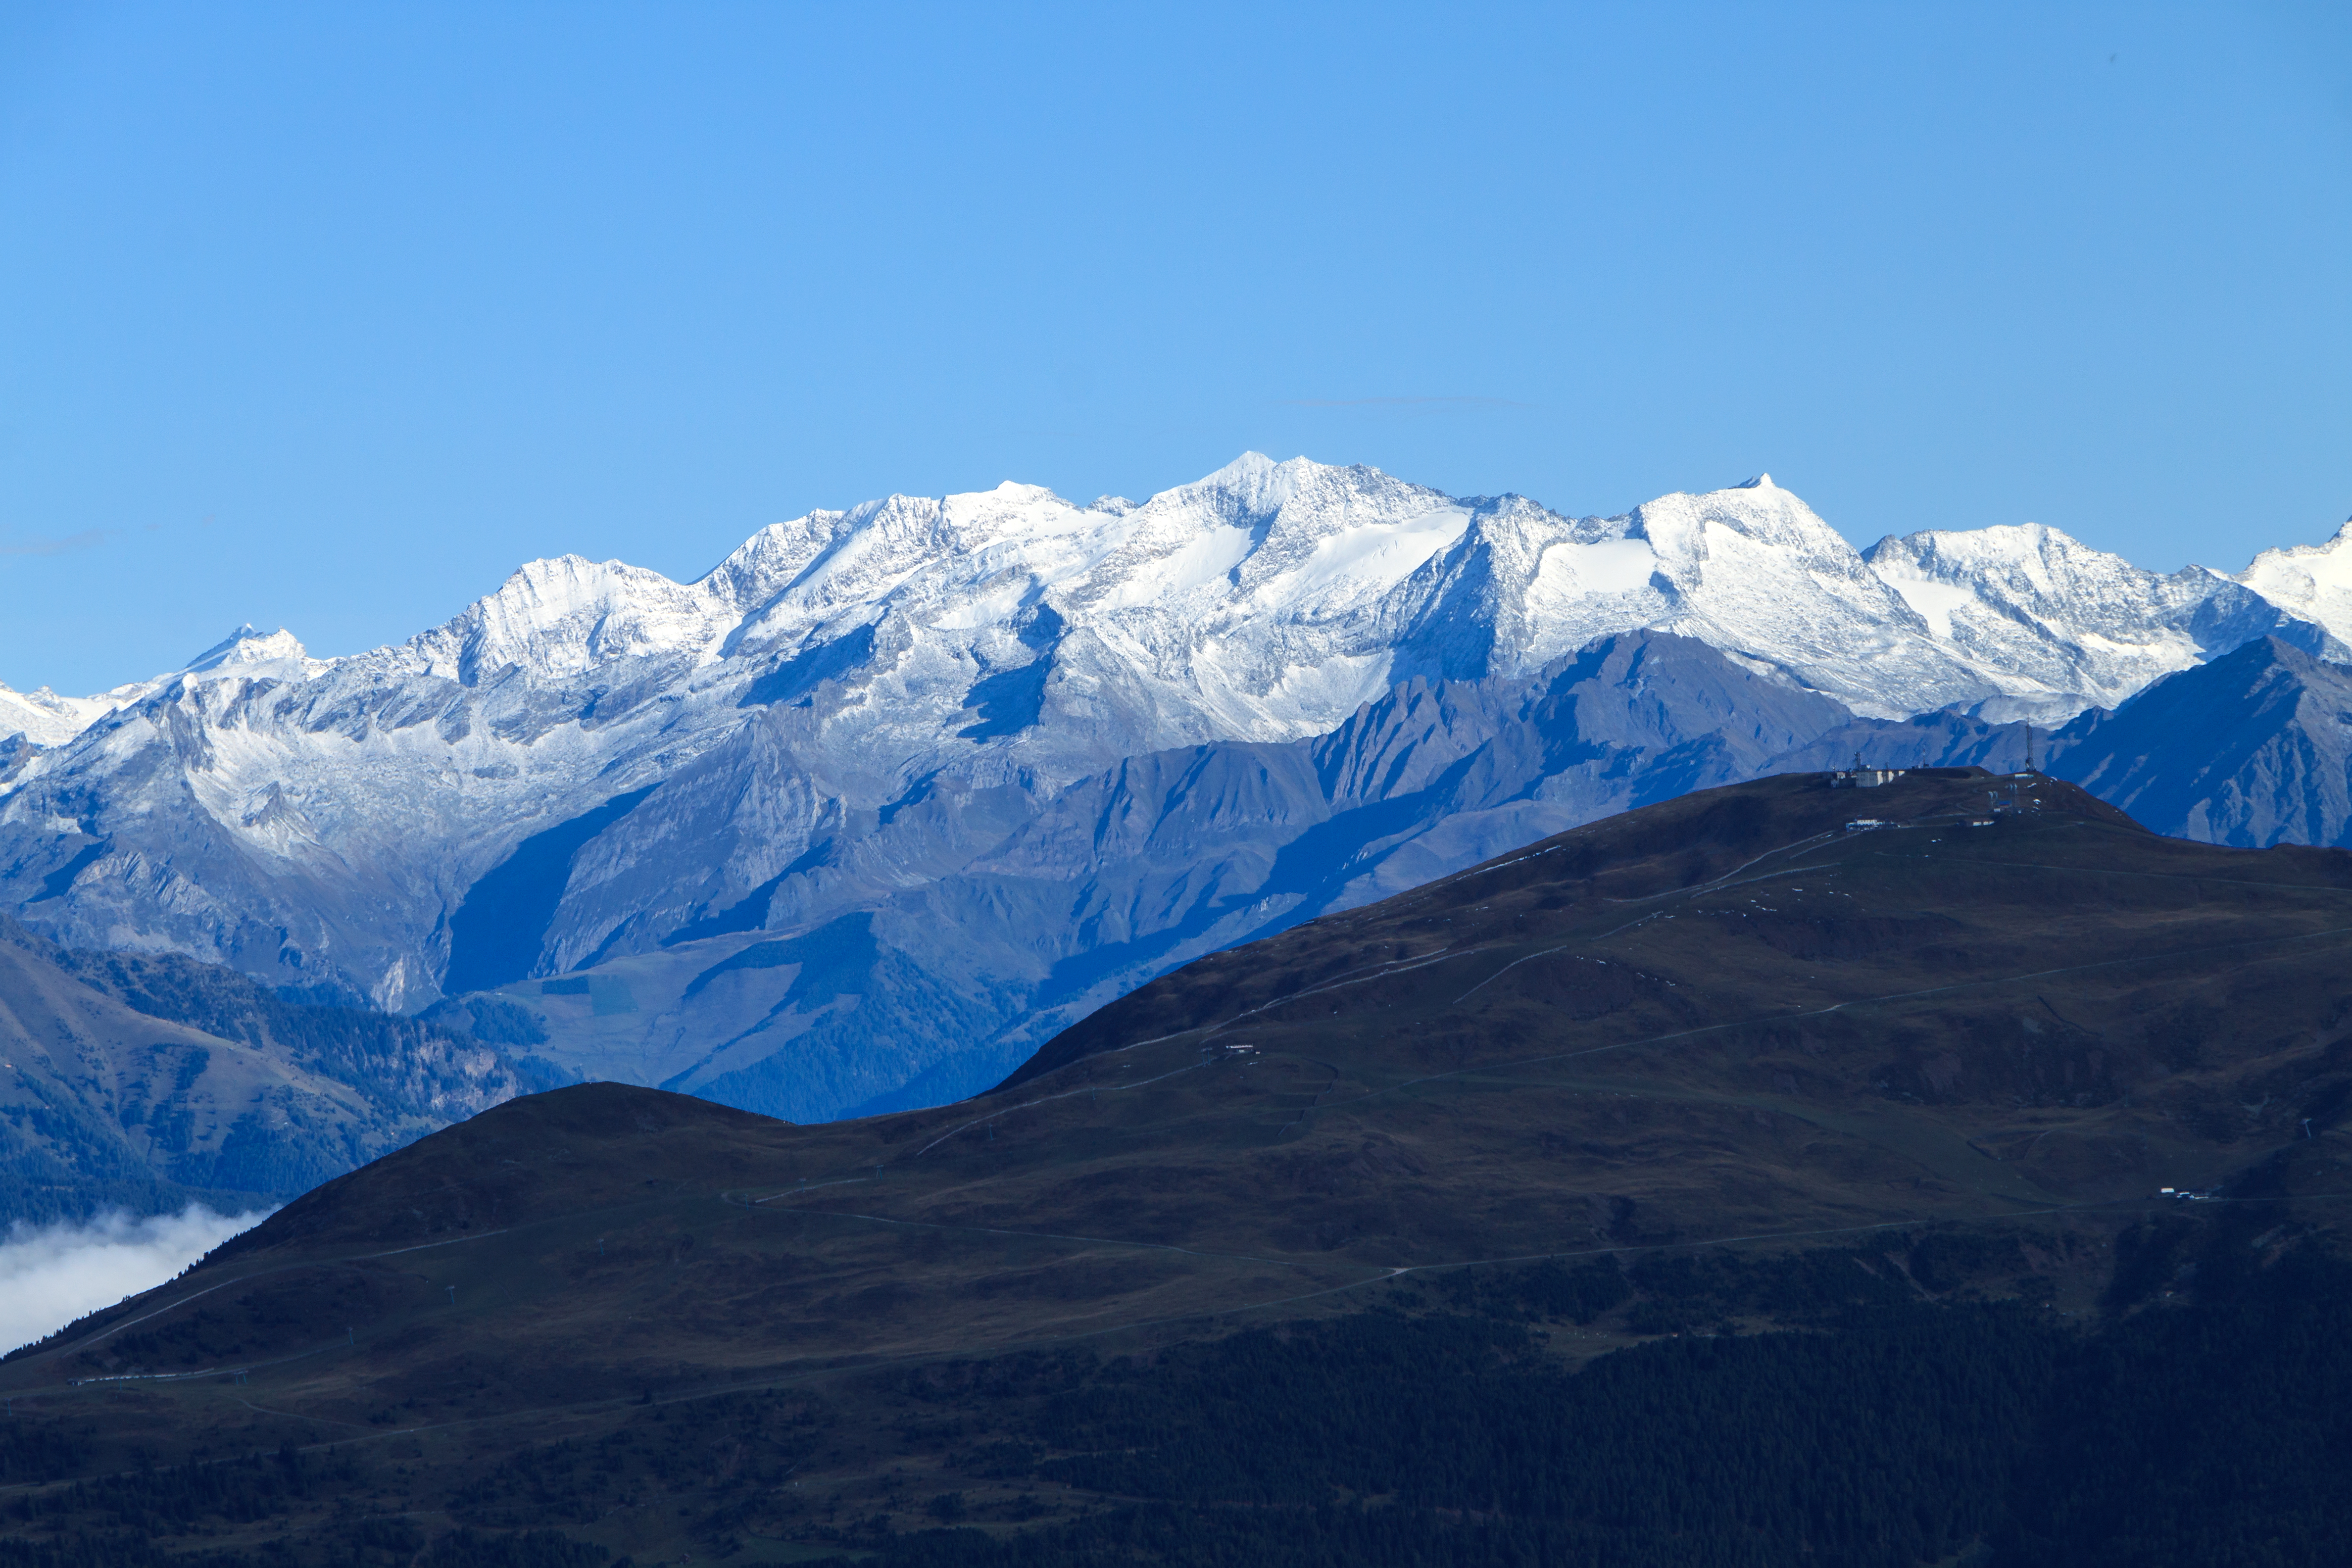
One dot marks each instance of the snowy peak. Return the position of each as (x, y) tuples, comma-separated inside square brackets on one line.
[(2004, 571), (1753, 571), (47, 719), (1691, 531), (2313, 581), (560, 618), (246, 646), (1250, 486), (768, 561), (2031, 556), (44, 718)]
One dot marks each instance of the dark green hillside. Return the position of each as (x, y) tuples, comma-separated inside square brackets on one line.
[(1713, 1184), (2210, 1429)]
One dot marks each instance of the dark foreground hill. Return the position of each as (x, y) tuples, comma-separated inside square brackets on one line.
[(1308, 1253)]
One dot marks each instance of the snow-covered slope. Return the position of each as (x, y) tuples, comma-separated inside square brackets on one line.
[(595, 760), (46, 719), (1751, 571), (2061, 627), (2312, 581)]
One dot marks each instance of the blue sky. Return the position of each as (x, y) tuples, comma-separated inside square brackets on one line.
[(330, 316)]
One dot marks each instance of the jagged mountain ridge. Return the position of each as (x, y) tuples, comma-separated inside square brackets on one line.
[(855, 706), (2082, 623)]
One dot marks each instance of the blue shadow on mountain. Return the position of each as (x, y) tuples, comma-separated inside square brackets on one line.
[(497, 934)]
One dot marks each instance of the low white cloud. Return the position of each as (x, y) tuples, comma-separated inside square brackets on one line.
[(52, 1274)]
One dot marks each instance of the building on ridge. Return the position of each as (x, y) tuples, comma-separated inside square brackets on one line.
[(1860, 777)]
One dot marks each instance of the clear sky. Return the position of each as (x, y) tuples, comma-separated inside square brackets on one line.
[(328, 316)]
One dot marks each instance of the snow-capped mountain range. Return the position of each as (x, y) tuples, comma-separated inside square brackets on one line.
[(595, 760)]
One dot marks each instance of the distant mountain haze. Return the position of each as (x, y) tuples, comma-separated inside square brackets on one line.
[(862, 816)]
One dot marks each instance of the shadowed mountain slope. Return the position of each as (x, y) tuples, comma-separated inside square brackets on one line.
[(2253, 748), (964, 970), (1168, 856)]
